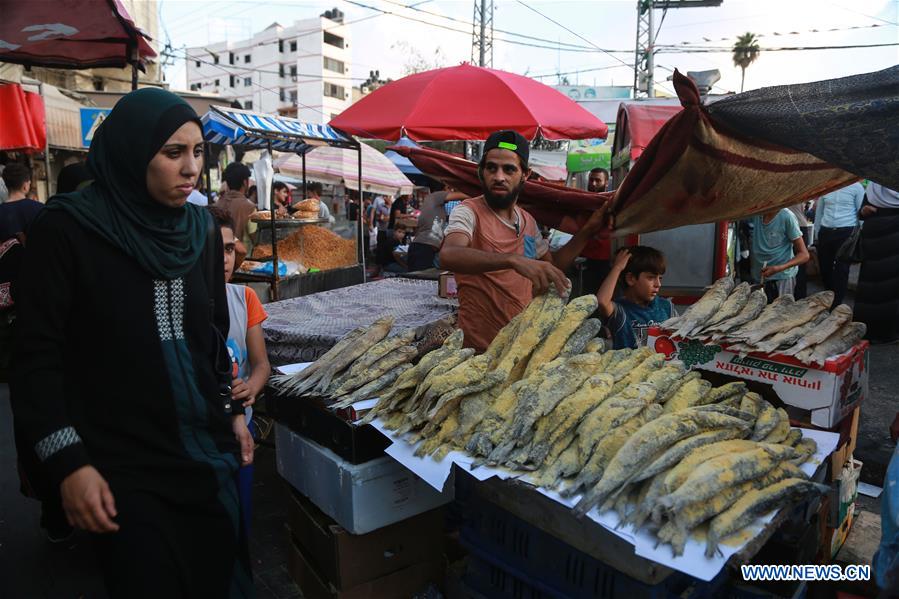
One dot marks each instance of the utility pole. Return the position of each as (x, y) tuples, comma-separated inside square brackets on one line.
[(482, 33), (644, 54)]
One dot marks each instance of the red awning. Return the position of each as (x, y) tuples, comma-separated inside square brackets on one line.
[(70, 34), (642, 121), (467, 103), (22, 120)]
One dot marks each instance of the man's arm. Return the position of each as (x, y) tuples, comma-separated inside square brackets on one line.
[(565, 256), (457, 255)]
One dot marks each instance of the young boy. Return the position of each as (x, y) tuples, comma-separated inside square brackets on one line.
[(777, 251), (246, 346), (639, 270)]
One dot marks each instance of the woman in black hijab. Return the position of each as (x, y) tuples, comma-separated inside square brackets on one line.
[(116, 382)]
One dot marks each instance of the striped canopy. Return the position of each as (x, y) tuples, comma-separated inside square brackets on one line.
[(338, 165), (232, 126)]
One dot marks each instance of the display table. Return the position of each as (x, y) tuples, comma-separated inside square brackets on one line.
[(301, 329)]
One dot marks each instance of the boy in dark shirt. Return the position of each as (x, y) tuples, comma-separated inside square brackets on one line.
[(639, 270)]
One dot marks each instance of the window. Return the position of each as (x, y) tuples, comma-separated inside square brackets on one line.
[(280, 45), (247, 81), (333, 40), (293, 70), (293, 46), (334, 91), (98, 84), (216, 82), (333, 65), (230, 57), (198, 63), (215, 58), (293, 97), (281, 95), (231, 81), (280, 70), (246, 58), (248, 105)]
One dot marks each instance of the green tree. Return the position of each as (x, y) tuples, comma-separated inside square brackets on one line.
[(746, 52)]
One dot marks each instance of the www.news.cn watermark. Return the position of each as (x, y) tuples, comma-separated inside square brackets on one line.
[(805, 572)]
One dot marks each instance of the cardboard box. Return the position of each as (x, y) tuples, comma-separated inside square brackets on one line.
[(347, 560), (829, 393), (446, 285), (360, 497), (402, 583)]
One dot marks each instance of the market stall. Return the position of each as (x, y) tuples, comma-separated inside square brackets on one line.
[(311, 250), (691, 476), (301, 329)]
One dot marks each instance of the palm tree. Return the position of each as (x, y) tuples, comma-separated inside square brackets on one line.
[(746, 51)]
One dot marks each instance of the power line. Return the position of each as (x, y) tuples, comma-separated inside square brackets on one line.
[(225, 69), (555, 47), (504, 31), (578, 35), (862, 14), (578, 71), (718, 49)]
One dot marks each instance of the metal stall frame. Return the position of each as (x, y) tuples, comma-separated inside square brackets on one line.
[(243, 128)]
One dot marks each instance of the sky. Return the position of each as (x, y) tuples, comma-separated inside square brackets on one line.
[(391, 43)]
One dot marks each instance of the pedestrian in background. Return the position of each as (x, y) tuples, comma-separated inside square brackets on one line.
[(836, 215), (777, 251), (877, 297)]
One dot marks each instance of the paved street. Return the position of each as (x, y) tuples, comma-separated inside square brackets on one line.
[(32, 567)]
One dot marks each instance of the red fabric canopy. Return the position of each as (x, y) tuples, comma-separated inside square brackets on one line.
[(22, 121), (553, 205), (70, 34), (467, 103)]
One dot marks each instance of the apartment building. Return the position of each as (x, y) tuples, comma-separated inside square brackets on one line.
[(302, 70)]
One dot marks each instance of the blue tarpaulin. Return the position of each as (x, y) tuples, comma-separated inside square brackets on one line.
[(232, 126), (404, 164)]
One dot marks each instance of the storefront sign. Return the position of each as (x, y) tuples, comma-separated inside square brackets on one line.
[(91, 118)]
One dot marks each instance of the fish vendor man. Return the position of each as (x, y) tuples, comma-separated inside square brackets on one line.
[(495, 249)]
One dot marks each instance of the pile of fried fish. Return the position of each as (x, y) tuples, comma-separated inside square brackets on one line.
[(623, 429), (743, 319)]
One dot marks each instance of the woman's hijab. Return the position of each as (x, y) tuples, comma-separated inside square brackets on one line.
[(165, 241)]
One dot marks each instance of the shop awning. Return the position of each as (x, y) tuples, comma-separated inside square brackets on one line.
[(338, 165), (232, 126), (22, 120), (70, 34)]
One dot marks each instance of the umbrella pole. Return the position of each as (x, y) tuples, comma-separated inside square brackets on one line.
[(135, 58), (360, 236), (304, 175), (271, 205)]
